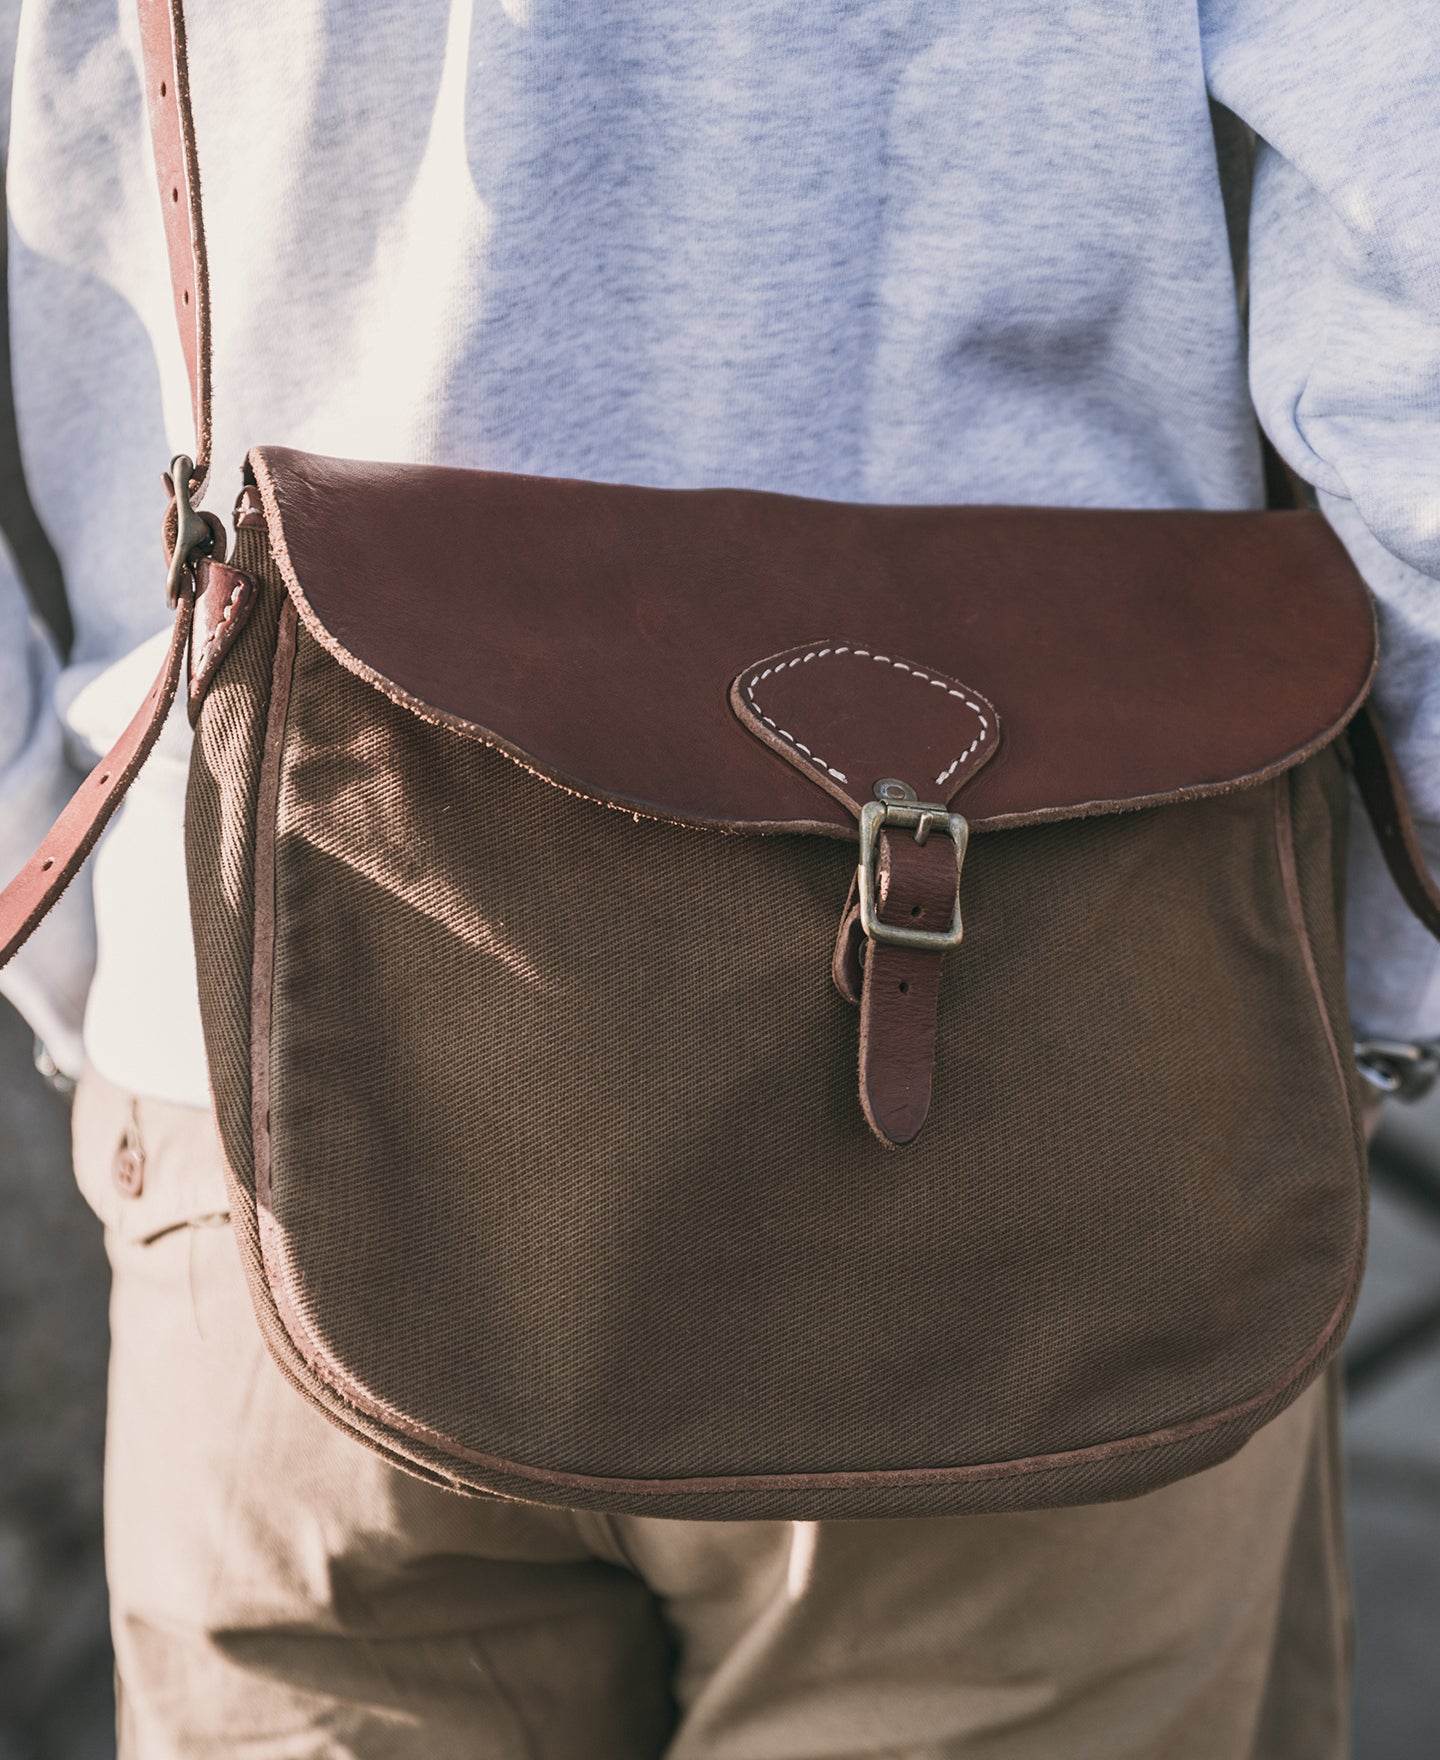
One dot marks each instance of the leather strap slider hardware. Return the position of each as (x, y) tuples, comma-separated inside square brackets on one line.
[(923, 818), (1401, 1069), (193, 533)]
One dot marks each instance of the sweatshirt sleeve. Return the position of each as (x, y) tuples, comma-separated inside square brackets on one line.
[(1345, 372), (49, 978)]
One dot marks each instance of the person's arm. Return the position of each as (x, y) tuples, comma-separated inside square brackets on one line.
[(49, 978), (1345, 372)]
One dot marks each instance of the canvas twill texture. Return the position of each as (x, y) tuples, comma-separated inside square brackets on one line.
[(734, 1006)]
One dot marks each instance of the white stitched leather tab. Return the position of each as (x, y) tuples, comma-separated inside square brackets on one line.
[(825, 708)]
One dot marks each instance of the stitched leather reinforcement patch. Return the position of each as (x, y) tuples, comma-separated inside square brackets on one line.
[(225, 599), (848, 715)]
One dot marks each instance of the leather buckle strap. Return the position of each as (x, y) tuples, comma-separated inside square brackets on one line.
[(916, 910), (900, 990), (848, 717), (905, 811), (894, 977)]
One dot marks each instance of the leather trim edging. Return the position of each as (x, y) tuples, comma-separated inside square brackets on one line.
[(354, 1395), (1294, 903), (262, 974)]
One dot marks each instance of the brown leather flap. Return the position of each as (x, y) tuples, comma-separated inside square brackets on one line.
[(595, 633)]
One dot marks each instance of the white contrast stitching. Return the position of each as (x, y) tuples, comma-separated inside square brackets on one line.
[(884, 660), (215, 633)]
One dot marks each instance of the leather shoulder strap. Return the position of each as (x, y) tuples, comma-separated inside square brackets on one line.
[(30, 895), (1378, 778), (177, 169), (27, 900)]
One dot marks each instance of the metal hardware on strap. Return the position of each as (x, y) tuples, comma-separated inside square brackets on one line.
[(1400, 1068), (922, 817), (193, 534)]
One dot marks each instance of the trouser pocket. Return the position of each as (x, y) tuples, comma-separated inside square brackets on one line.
[(146, 1167)]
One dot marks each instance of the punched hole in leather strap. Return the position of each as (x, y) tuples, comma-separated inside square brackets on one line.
[(225, 597), (172, 136)]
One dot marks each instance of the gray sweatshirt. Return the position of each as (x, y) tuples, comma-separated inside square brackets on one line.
[(883, 250)]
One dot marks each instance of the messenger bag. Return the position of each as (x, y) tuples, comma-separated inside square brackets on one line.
[(727, 1005)]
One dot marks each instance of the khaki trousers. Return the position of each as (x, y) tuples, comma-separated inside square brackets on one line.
[(279, 1592)]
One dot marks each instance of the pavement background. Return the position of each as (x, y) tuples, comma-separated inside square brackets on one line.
[(1393, 1448), (55, 1696), (55, 1692)]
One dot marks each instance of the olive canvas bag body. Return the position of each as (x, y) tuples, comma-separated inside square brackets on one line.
[(726, 1005)]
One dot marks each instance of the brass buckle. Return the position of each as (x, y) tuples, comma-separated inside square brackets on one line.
[(192, 533), (923, 818)]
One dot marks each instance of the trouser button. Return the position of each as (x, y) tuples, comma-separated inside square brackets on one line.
[(129, 1171)]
